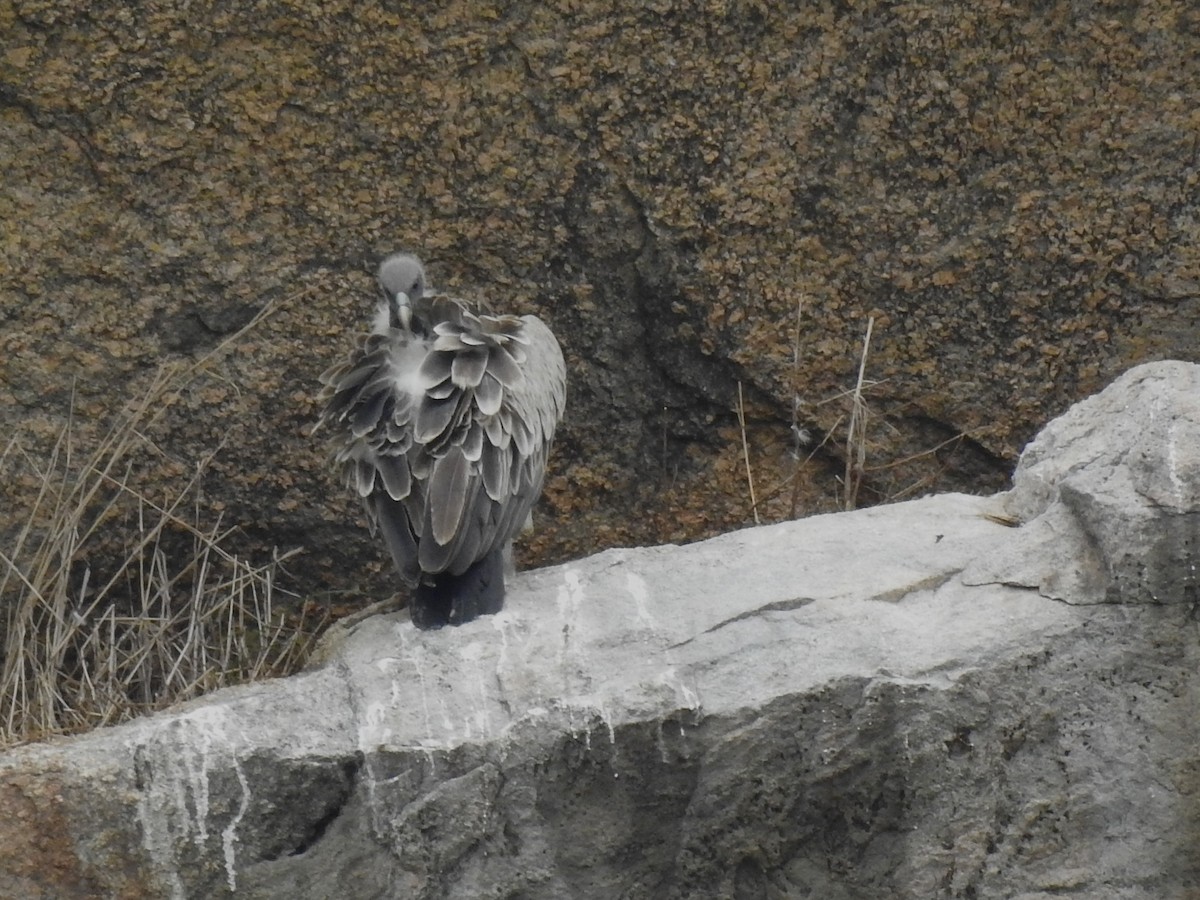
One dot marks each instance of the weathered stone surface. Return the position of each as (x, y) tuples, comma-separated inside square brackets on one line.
[(1112, 486), (695, 195), (821, 708)]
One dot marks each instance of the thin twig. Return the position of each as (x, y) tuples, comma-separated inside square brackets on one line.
[(741, 413), (856, 430), (797, 431)]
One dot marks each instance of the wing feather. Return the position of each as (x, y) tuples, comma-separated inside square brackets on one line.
[(364, 477), (395, 475), (494, 466), (369, 413), (472, 443), (435, 416), (448, 488), (489, 396), (437, 366), (468, 367), (398, 536), (504, 368)]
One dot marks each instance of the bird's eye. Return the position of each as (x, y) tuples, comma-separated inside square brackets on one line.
[(415, 285)]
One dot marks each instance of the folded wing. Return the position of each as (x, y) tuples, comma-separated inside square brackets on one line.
[(447, 432)]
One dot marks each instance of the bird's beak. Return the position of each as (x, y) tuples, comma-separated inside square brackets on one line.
[(402, 307)]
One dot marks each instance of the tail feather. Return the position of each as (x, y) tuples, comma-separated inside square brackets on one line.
[(445, 599)]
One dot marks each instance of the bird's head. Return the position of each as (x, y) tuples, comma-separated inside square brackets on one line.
[(402, 280)]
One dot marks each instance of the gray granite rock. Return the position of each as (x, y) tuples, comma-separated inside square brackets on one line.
[(820, 708), (1113, 485)]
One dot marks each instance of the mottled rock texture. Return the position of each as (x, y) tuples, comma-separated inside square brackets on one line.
[(695, 195), (823, 708)]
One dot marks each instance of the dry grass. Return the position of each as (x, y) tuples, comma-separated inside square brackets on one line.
[(853, 423), (800, 436), (176, 613), (741, 414), (856, 429), (856, 433)]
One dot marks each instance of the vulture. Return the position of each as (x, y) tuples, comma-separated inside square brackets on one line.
[(442, 421)]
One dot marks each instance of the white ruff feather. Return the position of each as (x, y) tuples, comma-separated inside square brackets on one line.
[(406, 367), (383, 319)]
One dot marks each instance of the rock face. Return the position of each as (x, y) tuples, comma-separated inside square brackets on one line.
[(895, 702), (695, 195)]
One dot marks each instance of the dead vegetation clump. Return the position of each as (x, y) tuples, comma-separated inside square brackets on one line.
[(848, 438), (113, 603)]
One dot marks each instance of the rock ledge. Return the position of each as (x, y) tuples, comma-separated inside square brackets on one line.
[(907, 701)]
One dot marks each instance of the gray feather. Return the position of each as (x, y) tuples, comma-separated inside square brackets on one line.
[(494, 466), (468, 367), (448, 494), (492, 427), (504, 368), (472, 443), (364, 477), (394, 473), (398, 537), (434, 418), (489, 396), (369, 414), (436, 368), (442, 391)]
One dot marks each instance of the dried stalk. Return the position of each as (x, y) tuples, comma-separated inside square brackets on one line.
[(856, 430), (741, 413)]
